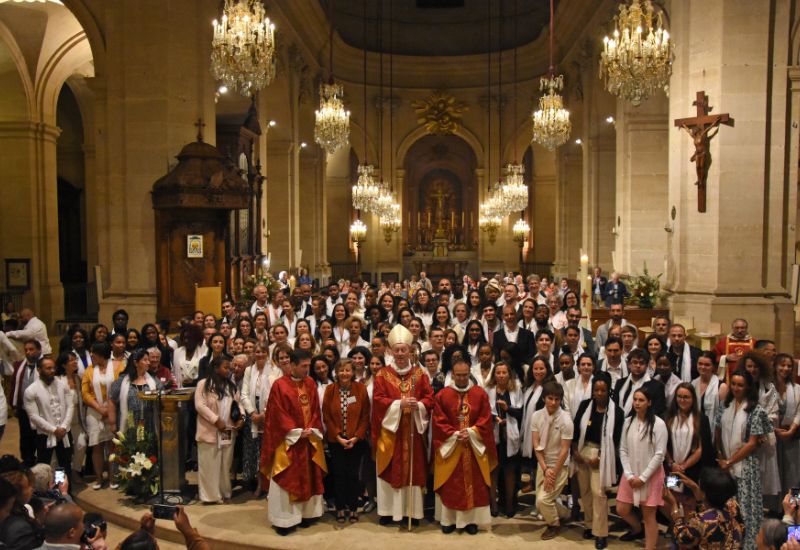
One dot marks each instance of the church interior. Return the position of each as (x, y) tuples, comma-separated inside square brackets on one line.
[(137, 164)]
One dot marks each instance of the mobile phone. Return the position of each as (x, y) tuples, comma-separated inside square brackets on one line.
[(60, 476), (793, 532), (164, 511), (672, 481)]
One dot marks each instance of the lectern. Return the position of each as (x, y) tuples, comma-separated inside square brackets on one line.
[(171, 407)]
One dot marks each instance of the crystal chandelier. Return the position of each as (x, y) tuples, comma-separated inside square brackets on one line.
[(390, 222), (332, 127), (243, 47), (365, 191), (489, 220), (551, 125), (521, 231), (637, 60), (358, 232), (384, 201), (514, 192)]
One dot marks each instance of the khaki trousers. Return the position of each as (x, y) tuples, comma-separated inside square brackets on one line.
[(546, 500), (593, 497)]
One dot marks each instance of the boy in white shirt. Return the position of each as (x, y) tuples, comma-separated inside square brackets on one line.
[(552, 435)]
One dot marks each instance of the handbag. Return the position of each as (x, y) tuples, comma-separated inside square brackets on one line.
[(236, 412)]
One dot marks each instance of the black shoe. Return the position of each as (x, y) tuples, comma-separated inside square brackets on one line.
[(415, 523), (384, 520), (306, 522), (630, 536), (587, 534), (511, 514), (600, 543), (447, 529), (471, 529), (283, 531)]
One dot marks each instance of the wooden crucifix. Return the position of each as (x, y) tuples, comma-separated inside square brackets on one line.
[(200, 125), (702, 128)]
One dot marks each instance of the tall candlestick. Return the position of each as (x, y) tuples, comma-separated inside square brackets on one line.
[(462, 219)]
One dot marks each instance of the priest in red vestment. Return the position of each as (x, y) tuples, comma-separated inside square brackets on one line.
[(402, 402), (292, 455), (732, 347), (464, 453)]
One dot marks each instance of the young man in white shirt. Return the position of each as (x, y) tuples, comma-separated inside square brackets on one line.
[(50, 409), (552, 436)]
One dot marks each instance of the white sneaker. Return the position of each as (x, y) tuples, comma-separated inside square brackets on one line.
[(97, 485), (114, 486)]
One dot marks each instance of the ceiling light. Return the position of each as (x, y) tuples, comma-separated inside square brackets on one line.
[(272, 123), (578, 141)]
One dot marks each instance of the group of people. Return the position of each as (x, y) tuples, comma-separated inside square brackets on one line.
[(454, 399)]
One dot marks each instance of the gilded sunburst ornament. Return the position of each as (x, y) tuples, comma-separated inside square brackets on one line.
[(440, 113)]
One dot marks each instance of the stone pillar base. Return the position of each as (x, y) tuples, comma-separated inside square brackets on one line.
[(770, 317)]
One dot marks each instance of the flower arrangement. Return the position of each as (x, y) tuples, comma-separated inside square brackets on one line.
[(251, 282), (645, 289), (137, 473)]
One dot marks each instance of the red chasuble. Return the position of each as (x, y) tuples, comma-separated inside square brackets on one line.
[(393, 450), (462, 480), (300, 468), (728, 346)]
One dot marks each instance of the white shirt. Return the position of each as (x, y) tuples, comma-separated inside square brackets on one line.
[(556, 428), (49, 407), (34, 329)]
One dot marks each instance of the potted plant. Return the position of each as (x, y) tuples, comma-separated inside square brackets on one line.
[(645, 290)]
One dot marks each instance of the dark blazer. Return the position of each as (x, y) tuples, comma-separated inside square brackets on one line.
[(678, 357), (603, 282), (588, 339), (619, 420), (707, 457), (615, 295), (525, 340)]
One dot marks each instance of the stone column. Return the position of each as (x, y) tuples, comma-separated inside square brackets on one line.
[(642, 184), (733, 260), (280, 203), (569, 209), (29, 226)]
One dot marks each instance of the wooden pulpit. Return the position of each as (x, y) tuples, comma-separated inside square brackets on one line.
[(192, 206)]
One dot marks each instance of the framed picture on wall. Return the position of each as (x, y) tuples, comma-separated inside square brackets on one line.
[(18, 273), (194, 246)]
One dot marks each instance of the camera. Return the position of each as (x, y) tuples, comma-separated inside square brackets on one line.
[(60, 476), (164, 511), (793, 532)]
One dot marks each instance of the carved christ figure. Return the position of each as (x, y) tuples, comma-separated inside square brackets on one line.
[(701, 138)]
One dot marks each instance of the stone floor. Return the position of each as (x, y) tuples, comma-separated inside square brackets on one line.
[(243, 525)]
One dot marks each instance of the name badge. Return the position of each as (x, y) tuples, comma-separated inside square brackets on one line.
[(350, 400)]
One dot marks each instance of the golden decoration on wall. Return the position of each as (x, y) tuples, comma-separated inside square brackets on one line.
[(440, 113)]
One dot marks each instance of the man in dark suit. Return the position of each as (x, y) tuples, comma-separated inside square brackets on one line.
[(638, 378), (512, 332), (586, 340), (616, 291), (681, 352), (598, 286)]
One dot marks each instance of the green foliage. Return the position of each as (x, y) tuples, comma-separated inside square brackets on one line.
[(137, 471), (645, 289)]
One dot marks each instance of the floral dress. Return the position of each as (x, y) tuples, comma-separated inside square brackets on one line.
[(748, 481), (711, 529)]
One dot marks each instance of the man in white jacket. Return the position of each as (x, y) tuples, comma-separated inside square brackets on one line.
[(33, 329), (50, 409)]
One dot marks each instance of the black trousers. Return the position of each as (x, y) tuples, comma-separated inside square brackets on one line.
[(63, 454), (347, 486), (27, 438)]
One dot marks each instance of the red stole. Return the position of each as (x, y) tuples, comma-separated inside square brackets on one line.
[(393, 450), (300, 468), (462, 480)]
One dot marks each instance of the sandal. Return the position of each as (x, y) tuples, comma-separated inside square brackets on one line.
[(340, 516), (354, 517)]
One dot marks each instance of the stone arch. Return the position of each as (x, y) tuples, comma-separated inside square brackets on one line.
[(419, 132), (97, 42), (17, 87)]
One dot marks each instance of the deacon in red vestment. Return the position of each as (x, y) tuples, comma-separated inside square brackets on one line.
[(292, 455), (401, 405), (464, 453), (731, 347)]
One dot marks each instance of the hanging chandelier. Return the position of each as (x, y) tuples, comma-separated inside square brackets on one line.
[(551, 125), (332, 127), (489, 220), (521, 230), (332, 120), (243, 47), (358, 232), (390, 222), (513, 191), (637, 60), (365, 191)]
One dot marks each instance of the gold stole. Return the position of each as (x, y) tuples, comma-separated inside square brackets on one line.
[(387, 439), (281, 460)]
